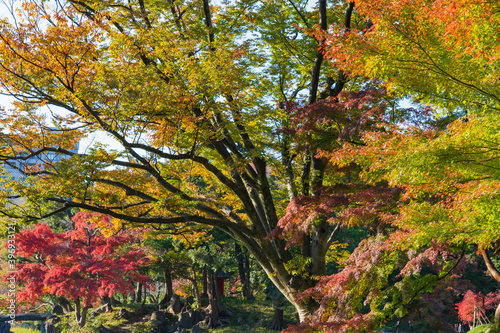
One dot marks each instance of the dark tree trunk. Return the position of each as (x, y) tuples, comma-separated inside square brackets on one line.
[(278, 322), (80, 313), (205, 283), (66, 305), (244, 272), (168, 286), (196, 290), (213, 316), (108, 301), (216, 307), (247, 288), (138, 293)]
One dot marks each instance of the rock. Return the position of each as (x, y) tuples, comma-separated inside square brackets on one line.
[(240, 321), (169, 317), (124, 314), (171, 328), (103, 329), (197, 316), (189, 300), (4, 328), (49, 325), (175, 304), (185, 320), (157, 316), (58, 310), (101, 309), (196, 329)]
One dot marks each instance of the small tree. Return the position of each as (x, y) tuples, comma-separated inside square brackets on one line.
[(80, 264), (472, 309)]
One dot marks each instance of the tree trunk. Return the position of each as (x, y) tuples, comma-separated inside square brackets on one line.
[(216, 307), (168, 286), (66, 305), (287, 284), (213, 316), (205, 283), (108, 301), (196, 290), (247, 288), (496, 275), (80, 313), (278, 322), (138, 293), (144, 294), (244, 272)]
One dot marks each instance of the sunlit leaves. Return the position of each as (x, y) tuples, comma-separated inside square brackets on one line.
[(80, 263), (446, 52)]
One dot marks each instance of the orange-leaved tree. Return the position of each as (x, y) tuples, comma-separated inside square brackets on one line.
[(193, 95), (445, 54)]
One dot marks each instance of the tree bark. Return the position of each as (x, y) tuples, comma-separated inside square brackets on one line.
[(213, 316), (80, 313), (106, 300), (247, 288), (168, 286), (495, 273), (138, 293), (278, 322), (196, 290), (244, 272)]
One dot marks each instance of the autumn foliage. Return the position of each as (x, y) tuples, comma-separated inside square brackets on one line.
[(81, 264), (472, 309)]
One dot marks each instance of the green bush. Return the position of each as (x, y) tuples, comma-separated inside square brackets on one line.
[(480, 328)]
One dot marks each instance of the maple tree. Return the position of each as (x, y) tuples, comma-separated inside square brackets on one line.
[(194, 95), (80, 264), (472, 309), (444, 52), (444, 157), (226, 116)]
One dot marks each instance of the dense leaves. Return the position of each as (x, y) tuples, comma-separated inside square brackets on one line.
[(81, 264)]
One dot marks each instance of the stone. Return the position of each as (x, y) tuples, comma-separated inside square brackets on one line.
[(175, 304), (196, 329), (240, 321), (103, 329), (124, 314), (99, 310), (157, 316), (4, 328), (58, 310), (185, 320), (197, 316), (49, 325)]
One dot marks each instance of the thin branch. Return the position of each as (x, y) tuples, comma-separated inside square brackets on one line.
[(300, 14)]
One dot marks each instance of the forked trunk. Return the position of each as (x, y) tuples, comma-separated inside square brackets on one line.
[(289, 285), (80, 313)]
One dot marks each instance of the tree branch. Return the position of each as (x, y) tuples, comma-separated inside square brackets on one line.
[(490, 265)]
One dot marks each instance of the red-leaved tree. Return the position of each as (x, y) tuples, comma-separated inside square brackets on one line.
[(80, 264), (472, 309)]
